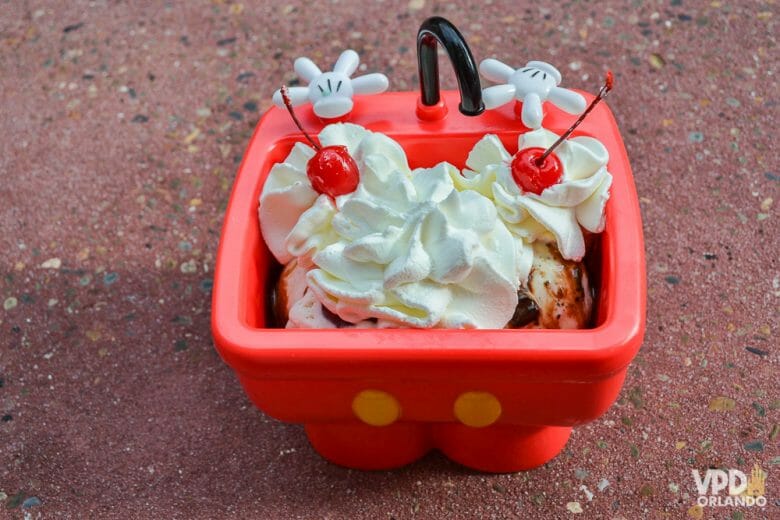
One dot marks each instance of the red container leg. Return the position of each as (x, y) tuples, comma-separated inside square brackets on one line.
[(361, 446), (500, 448)]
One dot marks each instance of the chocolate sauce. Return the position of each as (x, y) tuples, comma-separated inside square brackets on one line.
[(526, 311), (275, 312), (592, 263), (335, 319)]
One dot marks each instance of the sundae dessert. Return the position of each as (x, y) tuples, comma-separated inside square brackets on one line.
[(411, 210), (367, 242)]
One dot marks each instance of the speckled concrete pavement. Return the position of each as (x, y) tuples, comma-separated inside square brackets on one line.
[(121, 127)]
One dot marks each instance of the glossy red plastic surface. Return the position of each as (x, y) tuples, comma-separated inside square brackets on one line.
[(546, 381)]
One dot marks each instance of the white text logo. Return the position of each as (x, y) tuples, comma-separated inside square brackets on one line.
[(740, 490)]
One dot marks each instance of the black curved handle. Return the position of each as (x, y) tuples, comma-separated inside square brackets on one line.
[(437, 29)]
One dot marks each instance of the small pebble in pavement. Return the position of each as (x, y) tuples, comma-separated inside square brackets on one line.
[(31, 502), (696, 137)]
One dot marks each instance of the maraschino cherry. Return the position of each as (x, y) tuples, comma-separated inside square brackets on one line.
[(536, 169), (533, 176), (332, 171)]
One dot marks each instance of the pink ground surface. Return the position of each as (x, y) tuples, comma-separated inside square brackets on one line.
[(122, 127)]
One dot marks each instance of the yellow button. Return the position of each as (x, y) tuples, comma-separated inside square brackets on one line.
[(477, 409), (376, 408)]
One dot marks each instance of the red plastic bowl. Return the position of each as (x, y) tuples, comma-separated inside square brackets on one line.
[(493, 400)]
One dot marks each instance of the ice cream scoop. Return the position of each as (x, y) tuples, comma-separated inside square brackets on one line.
[(560, 289)]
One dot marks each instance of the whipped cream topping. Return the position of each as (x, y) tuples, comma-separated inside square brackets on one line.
[(287, 193), (408, 248), (559, 211)]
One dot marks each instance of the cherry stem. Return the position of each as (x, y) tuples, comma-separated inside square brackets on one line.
[(288, 104), (609, 81)]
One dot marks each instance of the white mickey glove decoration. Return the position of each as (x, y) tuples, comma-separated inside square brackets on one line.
[(533, 84), (331, 92)]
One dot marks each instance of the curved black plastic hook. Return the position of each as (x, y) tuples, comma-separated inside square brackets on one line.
[(439, 29)]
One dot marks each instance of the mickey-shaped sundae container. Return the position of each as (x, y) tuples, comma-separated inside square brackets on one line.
[(421, 278)]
